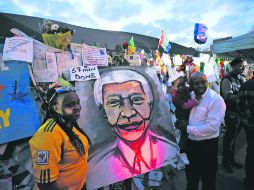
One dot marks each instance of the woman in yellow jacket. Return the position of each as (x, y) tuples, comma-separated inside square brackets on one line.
[(60, 148)]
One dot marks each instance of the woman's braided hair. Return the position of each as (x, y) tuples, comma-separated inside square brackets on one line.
[(66, 125)]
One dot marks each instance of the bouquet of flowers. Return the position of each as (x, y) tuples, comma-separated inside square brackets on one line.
[(53, 28), (56, 35)]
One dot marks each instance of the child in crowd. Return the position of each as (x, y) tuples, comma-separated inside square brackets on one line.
[(183, 100)]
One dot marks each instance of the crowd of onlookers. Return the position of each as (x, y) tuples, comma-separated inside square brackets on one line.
[(200, 112)]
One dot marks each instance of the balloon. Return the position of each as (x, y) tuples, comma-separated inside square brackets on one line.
[(200, 33)]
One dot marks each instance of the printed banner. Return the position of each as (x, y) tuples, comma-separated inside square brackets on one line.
[(125, 114), (84, 73), (18, 48), (18, 112), (94, 56)]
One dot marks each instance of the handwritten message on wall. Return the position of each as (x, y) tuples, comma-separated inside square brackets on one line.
[(18, 48), (84, 73), (94, 56)]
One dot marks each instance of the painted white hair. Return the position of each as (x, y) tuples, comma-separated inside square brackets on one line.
[(120, 76)]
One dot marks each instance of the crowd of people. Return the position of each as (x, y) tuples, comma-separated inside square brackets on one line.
[(200, 112), (59, 148)]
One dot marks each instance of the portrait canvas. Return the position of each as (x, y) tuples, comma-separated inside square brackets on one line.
[(126, 116)]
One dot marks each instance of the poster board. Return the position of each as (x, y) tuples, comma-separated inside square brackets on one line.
[(150, 119)]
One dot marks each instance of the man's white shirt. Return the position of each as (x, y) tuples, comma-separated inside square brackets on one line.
[(205, 119)]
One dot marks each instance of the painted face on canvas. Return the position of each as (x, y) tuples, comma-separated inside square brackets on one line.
[(127, 109)]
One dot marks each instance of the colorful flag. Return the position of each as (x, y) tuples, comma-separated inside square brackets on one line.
[(164, 42), (131, 42), (131, 50)]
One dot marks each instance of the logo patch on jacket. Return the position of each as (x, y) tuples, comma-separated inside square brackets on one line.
[(42, 157)]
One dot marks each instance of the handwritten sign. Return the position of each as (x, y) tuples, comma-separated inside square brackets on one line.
[(18, 48), (94, 56), (84, 73)]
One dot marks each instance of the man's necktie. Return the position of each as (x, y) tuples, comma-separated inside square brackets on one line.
[(138, 160)]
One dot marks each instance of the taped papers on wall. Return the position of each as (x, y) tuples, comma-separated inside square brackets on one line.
[(66, 61), (45, 67), (94, 56), (44, 64)]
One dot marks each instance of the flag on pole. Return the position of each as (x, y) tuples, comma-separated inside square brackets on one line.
[(164, 42), (131, 47), (131, 42)]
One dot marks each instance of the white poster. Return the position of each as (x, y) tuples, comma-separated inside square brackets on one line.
[(178, 60), (65, 61), (84, 73), (94, 56), (18, 48), (77, 52), (209, 72)]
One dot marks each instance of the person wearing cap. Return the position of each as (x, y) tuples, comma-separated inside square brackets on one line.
[(229, 88), (59, 148), (246, 105)]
